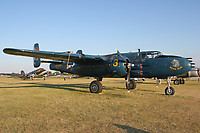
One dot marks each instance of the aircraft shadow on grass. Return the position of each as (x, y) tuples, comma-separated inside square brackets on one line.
[(69, 87), (130, 129), (147, 83)]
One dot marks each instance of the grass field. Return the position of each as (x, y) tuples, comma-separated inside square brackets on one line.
[(55, 105)]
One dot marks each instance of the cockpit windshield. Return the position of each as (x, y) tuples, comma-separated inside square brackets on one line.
[(151, 54)]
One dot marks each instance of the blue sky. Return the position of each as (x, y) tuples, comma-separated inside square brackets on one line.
[(98, 27)]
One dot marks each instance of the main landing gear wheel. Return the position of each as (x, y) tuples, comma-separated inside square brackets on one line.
[(176, 82), (169, 91), (182, 81), (95, 87), (131, 85)]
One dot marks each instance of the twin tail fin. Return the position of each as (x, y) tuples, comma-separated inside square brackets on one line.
[(36, 61)]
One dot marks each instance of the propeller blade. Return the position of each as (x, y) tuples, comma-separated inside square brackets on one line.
[(135, 57), (122, 57), (198, 71), (128, 78), (69, 52), (128, 66)]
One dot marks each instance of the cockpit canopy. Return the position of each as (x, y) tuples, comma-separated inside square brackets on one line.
[(151, 54)]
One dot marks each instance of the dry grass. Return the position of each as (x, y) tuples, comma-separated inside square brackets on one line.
[(56, 105)]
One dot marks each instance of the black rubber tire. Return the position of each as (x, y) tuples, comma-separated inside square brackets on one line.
[(176, 82), (132, 85), (169, 91), (182, 81), (95, 87)]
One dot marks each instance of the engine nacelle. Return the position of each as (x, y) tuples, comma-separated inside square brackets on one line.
[(193, 73)]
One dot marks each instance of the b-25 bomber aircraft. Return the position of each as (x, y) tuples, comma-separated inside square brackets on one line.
[(35, 73), (38, 72), (130, 65)]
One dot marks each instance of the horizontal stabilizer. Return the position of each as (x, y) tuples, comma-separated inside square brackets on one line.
[(56, 62)]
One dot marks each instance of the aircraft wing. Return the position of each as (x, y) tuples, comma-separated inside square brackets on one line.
[(11, 74), (62, 56)]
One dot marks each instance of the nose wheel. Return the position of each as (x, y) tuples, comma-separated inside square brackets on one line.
[(169, 90)]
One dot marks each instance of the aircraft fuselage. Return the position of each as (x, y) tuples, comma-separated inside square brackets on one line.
[(145, 66)]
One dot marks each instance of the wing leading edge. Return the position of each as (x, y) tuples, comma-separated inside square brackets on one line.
[(61, 56)]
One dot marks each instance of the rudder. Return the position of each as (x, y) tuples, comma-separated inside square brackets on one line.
[(23, 73), (36, 61)]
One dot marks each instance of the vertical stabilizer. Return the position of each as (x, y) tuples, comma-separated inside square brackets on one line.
[(36, 61), (23, 73)]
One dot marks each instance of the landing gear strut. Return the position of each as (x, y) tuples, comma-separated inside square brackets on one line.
[(169, 90)]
